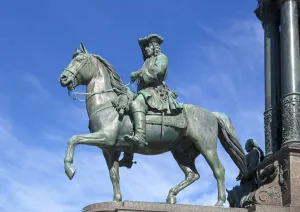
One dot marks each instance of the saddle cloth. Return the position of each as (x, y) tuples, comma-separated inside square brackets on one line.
[(178, 121)]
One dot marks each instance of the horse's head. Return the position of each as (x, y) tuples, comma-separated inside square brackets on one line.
[(78, 71)]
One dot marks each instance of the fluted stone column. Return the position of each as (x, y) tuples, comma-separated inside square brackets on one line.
[(267, 12), (272, 85), (290, 72)]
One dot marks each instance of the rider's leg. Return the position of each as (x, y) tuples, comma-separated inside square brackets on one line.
[(138, 108)]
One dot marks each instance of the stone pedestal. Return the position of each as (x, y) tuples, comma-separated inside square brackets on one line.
[(128, 206), (265, 208), (280, 180)]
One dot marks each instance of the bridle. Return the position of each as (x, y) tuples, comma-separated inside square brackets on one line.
[(75, 81)]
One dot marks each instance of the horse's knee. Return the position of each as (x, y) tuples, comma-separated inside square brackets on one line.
[(196, 176), (72, 140), (191, 176)]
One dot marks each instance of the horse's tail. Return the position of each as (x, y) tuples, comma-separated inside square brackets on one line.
[(230, 142)]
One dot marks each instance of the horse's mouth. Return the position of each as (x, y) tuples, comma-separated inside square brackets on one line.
[(69, 83), (70, 86)]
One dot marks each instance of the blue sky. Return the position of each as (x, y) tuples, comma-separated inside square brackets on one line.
[(215, 51)]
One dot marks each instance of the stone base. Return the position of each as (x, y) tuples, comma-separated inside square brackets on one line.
[(128, 206), (268, 208), (282, 187)]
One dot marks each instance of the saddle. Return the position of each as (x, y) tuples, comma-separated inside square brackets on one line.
[(178, 120), (157, 118)]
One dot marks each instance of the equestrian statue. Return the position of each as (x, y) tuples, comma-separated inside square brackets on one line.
[(149, 122)]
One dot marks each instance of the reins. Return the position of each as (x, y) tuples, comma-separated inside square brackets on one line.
[(80, 93)]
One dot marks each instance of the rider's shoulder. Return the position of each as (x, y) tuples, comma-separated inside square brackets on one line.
[(255, 151), (162, 56)]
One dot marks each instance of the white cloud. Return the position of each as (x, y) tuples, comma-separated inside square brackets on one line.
[(238, 33), (35, 82), (54, 137)]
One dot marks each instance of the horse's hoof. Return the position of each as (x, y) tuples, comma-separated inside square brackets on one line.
[(219, 203), (117, 198), (171, 199), (70, 170)]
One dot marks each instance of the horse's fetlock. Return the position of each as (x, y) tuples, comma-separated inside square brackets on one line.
[(118, 197), (68, 160), (173, 192)]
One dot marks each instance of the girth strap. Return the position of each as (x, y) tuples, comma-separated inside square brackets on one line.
[(102, 107)]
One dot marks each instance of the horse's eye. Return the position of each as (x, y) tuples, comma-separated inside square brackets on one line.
[(78, 59)]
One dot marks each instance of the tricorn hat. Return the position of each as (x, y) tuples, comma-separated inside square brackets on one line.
[(150, 38)]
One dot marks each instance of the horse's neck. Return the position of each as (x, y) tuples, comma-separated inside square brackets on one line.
[(100, 87)]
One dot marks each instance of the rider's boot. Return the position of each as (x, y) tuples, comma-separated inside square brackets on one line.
[(127, 160), (139, 116)]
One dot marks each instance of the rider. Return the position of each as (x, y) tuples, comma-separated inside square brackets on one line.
[(152, 93)]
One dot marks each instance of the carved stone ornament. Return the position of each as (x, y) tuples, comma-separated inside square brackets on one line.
[(269, 193), (268, 131), (291, 118), (284, 175), (272, 130)]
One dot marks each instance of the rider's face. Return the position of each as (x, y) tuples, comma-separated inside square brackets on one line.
[(149, 50), (248, 147)]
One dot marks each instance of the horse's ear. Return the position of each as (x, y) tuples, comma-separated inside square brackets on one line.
[(83, 47)]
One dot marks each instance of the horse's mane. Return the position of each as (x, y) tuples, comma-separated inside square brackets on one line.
[(115, 79)]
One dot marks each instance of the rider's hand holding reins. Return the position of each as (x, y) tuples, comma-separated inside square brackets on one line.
[(135, 76)]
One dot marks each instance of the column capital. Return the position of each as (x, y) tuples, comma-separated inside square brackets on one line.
[(267, 11)]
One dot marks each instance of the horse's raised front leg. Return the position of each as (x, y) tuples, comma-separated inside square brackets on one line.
[(186, 162), (112, 158), (99, 139)]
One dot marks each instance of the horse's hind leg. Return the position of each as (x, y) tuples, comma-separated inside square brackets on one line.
[(112, 158), (213, 160), (186, 161)]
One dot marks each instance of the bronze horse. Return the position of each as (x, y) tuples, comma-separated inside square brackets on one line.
[(108, 126)]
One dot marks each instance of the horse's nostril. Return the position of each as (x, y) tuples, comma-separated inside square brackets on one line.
[(63, 77)]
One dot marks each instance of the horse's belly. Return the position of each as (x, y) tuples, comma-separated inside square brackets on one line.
[(160, 139), (159, 142), (162, 135)]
